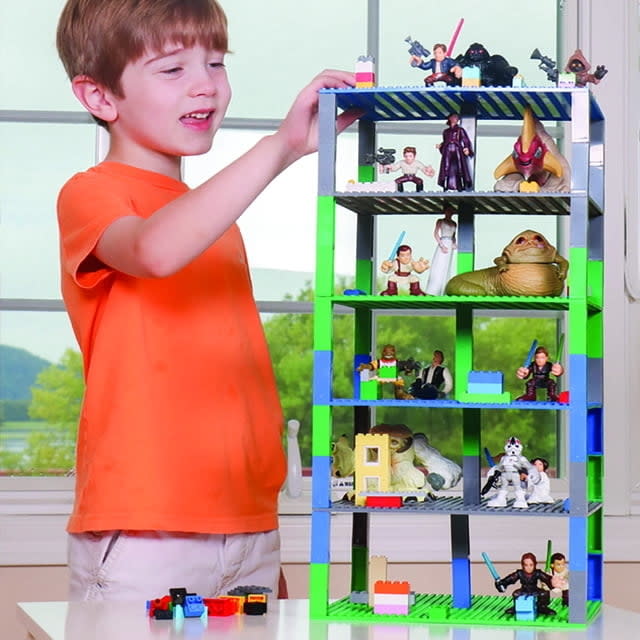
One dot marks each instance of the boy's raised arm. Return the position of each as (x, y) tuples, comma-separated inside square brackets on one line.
[(180, 231)]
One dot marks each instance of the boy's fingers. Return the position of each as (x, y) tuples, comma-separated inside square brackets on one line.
[(347, 118)]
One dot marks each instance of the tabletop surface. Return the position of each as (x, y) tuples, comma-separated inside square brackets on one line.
[(285, 620)]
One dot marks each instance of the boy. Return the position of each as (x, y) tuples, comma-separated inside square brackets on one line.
[(179, 459)]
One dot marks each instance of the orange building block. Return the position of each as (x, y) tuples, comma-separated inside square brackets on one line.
[(388, 586)]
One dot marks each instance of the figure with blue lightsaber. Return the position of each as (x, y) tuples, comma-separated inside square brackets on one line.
[(529, 577), (403, 269), (538, 368)]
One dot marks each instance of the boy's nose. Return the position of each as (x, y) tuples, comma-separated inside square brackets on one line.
[(203, 84)]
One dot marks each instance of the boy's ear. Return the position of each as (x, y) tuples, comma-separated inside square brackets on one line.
[(97, 100)]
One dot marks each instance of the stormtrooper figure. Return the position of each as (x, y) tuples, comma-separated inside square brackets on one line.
[(511, 474)]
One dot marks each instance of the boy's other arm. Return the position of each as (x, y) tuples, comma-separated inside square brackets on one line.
[(180, 231)]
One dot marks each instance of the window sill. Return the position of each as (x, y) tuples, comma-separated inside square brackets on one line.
[(34, 513)]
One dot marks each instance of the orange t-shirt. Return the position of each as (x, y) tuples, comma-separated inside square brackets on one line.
[(181, 424)]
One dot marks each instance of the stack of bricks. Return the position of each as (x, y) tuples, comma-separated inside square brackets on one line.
[(365, 72), (391, 597)]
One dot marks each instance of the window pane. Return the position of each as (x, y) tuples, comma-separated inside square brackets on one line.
[(32, 75), (40, 159), (37, 428), (279, 228), (503, 31), (269, 65)]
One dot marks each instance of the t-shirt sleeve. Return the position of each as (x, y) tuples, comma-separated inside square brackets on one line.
[(86, 207)]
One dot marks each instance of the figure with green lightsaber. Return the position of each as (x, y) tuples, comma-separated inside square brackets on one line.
[(403, 269), (537, 369)]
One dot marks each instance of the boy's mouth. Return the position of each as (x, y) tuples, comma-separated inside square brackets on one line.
[(197, 115)]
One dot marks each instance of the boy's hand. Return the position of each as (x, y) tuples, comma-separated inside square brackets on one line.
[(299, 130)]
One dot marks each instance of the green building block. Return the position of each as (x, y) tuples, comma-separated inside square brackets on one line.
[(489, 398), (370, 390)]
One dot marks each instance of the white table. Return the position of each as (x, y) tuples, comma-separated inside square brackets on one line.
[(285, 620)]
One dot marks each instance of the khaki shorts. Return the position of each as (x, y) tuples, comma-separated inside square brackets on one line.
[(142, 565)]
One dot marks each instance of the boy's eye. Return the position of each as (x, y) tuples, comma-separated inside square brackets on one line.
[(216, 65), (172, 70)]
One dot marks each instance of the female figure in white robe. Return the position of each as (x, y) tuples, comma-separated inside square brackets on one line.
[(445, 235)]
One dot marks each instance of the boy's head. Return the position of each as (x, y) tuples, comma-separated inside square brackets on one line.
[(98, 38)]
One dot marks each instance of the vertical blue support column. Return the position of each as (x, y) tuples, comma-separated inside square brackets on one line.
[(577, 350), (460, 564), (578, 574)]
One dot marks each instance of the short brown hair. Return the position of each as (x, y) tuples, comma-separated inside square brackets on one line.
[(98, 38)]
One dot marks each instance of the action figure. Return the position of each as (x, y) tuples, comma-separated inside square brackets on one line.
[(560, 578), (579, 65), (540, 491), (507, 475), (442, 67), (444, 233), (387, 369), (409, 167), (402, 268), (540, 369), (455, 148), (434, 382), (342, 459), (495, 71), (407, 458), (528, 576), (535, 163), (528, 266)]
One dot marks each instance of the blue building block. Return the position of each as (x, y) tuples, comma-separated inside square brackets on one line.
[(482, 387), (526, 608), (461, 578), (594, 576), (486, 377), (193, 606), (320, 536), (322, 367)]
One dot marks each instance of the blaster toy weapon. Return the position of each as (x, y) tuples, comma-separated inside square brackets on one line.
[(491, 482), (384, 156), (410, 365), (546, 64), (494, 574), (416, 49), (493, 479)]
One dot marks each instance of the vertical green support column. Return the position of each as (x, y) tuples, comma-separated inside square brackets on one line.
[(325, 245), (464, 349)]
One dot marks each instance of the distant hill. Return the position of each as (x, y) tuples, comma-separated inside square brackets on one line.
[(18, 371)]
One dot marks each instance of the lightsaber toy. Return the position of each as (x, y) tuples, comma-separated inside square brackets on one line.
[(493, 572), (532, 350), (560, 348), (547, 564), (392, 255), (454, 37)]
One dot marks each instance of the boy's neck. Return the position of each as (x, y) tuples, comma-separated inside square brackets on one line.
[(146, 159)]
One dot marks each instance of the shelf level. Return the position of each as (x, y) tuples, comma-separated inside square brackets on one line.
[(415, 303), (482, 203), (490, 103), (455, 505)]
